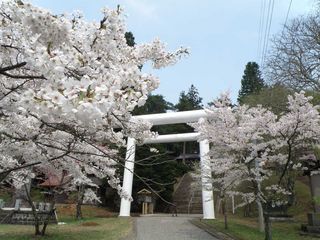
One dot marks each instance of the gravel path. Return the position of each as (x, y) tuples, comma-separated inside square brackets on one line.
[(169, 228)]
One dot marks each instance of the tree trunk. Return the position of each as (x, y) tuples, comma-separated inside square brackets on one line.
[(44, 227), (78, 211), (52, 206), (47, 220), (260, 216), (267, 227), (224, 210), (45, 224), (79, 202), (37, 228), (34, 212), (218, 205)]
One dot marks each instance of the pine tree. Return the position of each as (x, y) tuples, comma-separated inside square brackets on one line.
[(154, 104), (189, 101), (130, 39), (251, 81)]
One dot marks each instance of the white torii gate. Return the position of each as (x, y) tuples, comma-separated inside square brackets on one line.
[(171, 118)]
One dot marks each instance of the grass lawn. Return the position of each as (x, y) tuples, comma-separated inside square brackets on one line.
[(247, 229), (66, 212), (92, 229), (98, 224)]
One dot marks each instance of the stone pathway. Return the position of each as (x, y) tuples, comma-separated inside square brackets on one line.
[(165, 227)]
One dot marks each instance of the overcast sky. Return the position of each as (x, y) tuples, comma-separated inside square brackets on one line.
[(222, 35)]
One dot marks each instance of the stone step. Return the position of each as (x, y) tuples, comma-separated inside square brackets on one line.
[(184, 194)]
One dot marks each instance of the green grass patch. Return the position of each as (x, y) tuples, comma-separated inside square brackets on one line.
[(247, 229), (92, 229), (303, 203), (67, 212)]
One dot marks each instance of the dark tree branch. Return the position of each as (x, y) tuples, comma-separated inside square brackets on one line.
[(15, 66)]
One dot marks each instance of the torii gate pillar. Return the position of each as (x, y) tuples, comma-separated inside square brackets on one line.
[(128, 177), (206, 180)]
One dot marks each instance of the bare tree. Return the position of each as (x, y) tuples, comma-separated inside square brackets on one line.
[(294, 58)]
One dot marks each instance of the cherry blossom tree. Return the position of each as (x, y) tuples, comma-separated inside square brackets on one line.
[(252, 147), (67, 89)]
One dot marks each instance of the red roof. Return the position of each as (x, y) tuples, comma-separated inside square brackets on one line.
[(54, 181)]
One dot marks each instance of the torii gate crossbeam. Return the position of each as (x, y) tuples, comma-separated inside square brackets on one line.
[(171, 118)]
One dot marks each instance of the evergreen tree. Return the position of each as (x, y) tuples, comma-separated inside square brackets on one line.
[(154, 104), (189, 101), (251, 82), (130, 39), (275, 98)]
